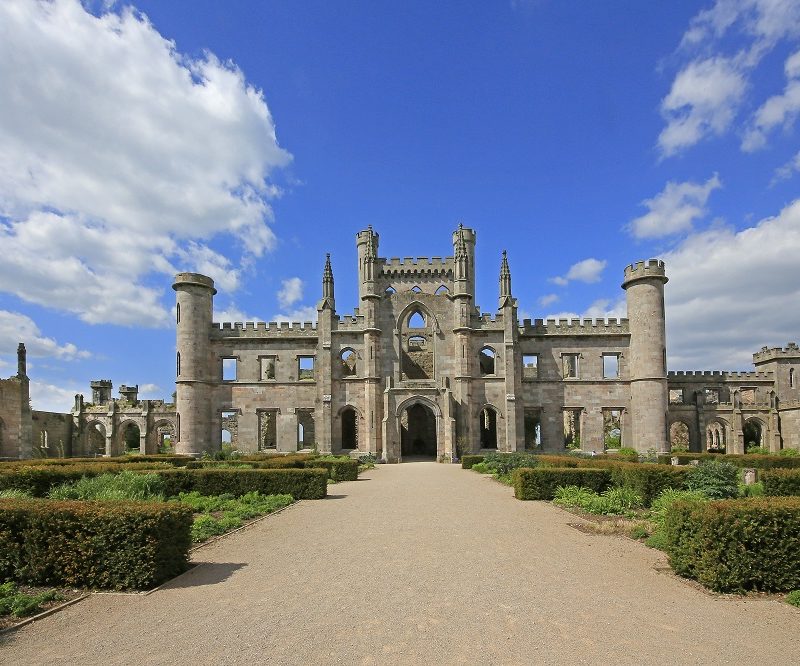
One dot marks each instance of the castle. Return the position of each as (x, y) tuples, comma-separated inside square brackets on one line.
[(418, 370)]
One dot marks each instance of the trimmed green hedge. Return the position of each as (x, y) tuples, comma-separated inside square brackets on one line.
[(736, 545), (648, 480), (299, 483), (754, 460), (105, 545), (468, 461), (39, 479), (177, 461), (338, 470), (540, 483), (780, 482)]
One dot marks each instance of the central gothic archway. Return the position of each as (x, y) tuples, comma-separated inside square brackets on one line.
[(418, 432)]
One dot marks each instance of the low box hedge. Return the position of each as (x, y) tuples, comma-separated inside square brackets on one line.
[(177, 461), (468, 461), (104, 545), (648, 479), (39, 479), (338, 470), (754, 460), (779, 482), (299, 483), (736, 545), (540, 483)]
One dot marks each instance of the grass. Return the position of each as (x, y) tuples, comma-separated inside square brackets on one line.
[(793, 598), (18, 604), (612, 502), (218, 514), (125, 485)]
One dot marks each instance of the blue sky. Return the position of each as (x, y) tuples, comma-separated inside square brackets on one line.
[(245, 140)]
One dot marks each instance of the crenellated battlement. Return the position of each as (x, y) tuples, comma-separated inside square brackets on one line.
[(791, 350), (652, 268), (719, 375), (353, 322), (574, 327), (257, 329), (417, 266)]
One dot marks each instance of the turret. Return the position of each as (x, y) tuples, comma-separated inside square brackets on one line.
[(644, 286), (129, 393), (367, 243), (328, 299), (195, 376), (22, 362), (101, 391), (505, 283), (464, 261)]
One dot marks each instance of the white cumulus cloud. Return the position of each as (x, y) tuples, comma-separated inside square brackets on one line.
[(291, 292), (786, 171), (120, 159), (674, 209), (16, 328), (298, 315), (588, 270)]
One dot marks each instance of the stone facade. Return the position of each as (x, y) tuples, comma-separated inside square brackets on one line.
[(417, 369)]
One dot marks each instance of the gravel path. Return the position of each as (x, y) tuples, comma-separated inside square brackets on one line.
[(417, 563)]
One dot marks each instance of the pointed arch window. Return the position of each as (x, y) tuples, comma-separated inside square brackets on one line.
[(486, 359), (390, 291), (416, 289), (442, 291), (416, 320)]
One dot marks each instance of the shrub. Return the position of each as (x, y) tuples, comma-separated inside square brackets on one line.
[(480, 468), (793, 598), (614, 501), (540, 483), (126, 485), (626, 453), (38, 480), (756, 461), (736, 545), (781, 482), (299, 483), (468, 461), (753, 490), (647, 480), (338, 468), (791, 453), (503, 464), (715, 479), (107, 545), (757, 450), (176, 461), (14, 493), (16, 603)]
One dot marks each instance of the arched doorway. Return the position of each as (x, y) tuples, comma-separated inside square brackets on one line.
[(679, 437), (418, 431), (753, 434), (95, 439), (488, 428), (130, 438), (349, 428)]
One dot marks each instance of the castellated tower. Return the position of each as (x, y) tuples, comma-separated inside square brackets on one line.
[(194, 369), (644, 286)]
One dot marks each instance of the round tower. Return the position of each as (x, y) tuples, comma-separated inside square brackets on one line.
[(194, 369), (647, 359)]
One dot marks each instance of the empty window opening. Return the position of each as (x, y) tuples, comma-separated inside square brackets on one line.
[(228, 369), (570, 365), (416, 343), (676, 396), (533, 430), (417, 359), (791, 377), (488, 428), (679, 437), (348, 360), (486, 359), (442, 291), (612, 428), (44, 440), (715, 437), (753, 434), (131, 438), (712, 396), (305, 367), (229, 421), (530, 366), (96, 439), (268, 429), (178, 313), (572, 428), (390, 291), (268, 366), (610, 366), (416, 289), (178, 365), (416, 320), (349, 428), (305, 429)]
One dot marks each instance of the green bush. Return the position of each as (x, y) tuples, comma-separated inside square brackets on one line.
[(503, 464), (176, 461), (793, 598), (757, 450), (480, 468), (648, 480), (38, 480), (16, 603), (779, 482), (791, 453), (626, 453), (540, 483), (299, 483), (339, 468), (753, 490), (716, 479), (614, 501), (468, 461), (755, 461), (736, 545), (126, 485), (105, 545)]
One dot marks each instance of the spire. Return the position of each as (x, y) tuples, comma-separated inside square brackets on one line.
[(327, 286), (461, 257), (505, 282)]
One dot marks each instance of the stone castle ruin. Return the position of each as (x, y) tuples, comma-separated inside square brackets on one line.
[(418, 370)]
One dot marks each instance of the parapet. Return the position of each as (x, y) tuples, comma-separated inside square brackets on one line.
[(395, 266), (194, 279), (642, 270), (718, 376), (791, 350), (262, 329), (575, 327)]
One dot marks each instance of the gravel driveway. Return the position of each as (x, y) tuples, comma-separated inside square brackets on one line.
[(418, 563)]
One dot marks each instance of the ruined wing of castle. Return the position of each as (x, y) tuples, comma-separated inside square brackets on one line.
[(417, 370)]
